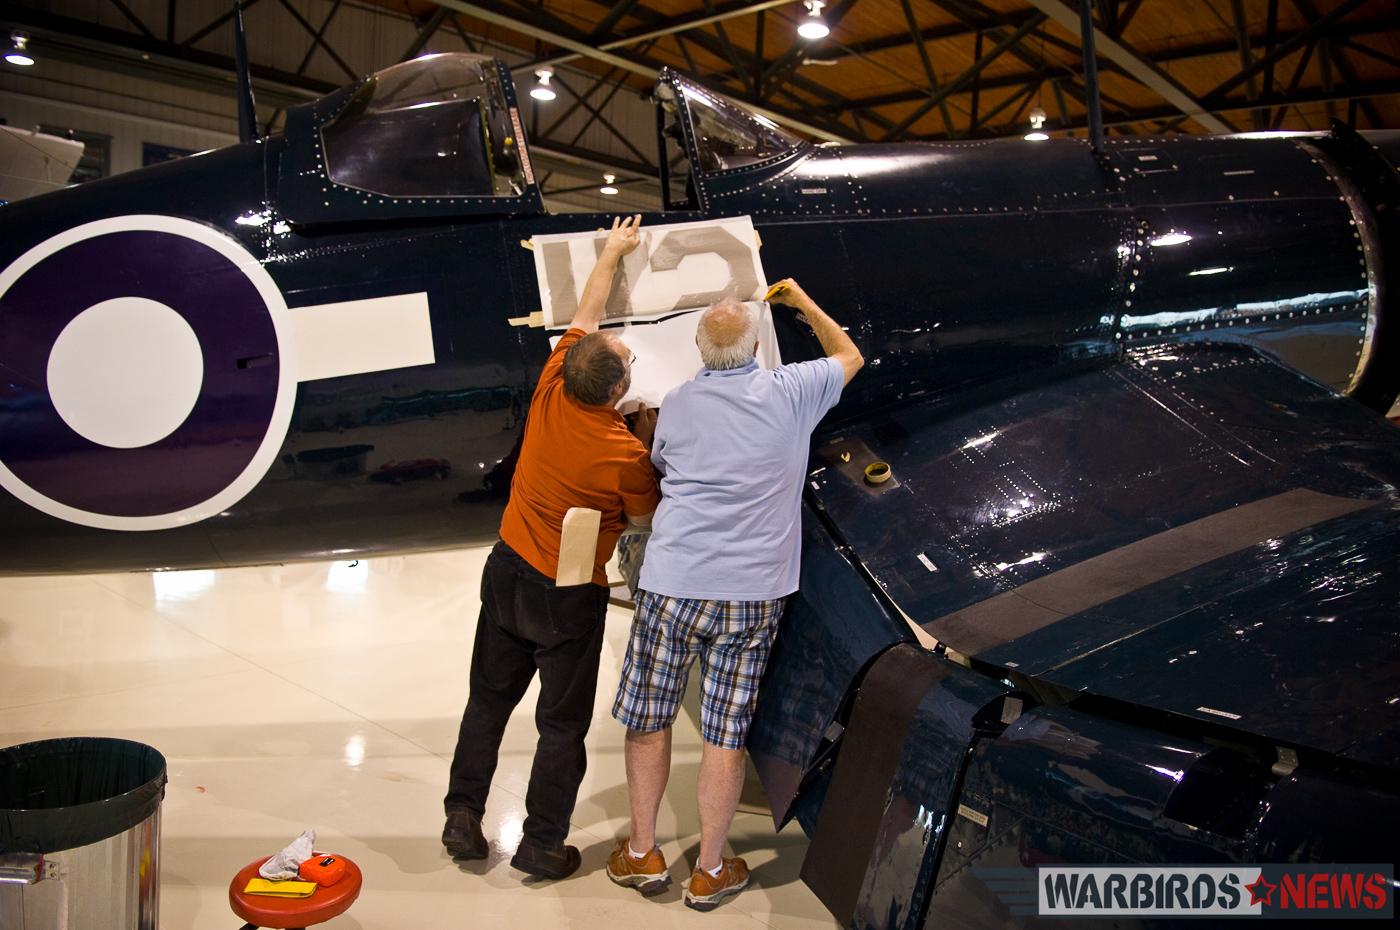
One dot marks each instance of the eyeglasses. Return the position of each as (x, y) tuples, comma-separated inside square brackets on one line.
[(631, 359)]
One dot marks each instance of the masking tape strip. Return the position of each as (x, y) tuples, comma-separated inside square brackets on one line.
[(535, 320)]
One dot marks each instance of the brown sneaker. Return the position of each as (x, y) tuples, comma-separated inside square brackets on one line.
[(705, 890), (647, 874)]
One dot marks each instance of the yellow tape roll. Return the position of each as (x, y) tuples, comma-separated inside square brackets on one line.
[(878, 473)]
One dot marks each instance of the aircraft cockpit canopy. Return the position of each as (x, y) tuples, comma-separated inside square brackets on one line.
[(438, 135), (726, 136), (437, 126)]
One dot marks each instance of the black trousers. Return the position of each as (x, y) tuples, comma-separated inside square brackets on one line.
[(528, 624)]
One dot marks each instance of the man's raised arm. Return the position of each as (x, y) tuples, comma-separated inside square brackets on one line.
[(622, 239), (835, 342)]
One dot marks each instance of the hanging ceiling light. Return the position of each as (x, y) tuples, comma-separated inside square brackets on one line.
[(813, 27), (1037, 121), (18, 52), (542, 90), (608, 187)]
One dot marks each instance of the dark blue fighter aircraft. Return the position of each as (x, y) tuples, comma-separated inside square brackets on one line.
[(1128, 596)]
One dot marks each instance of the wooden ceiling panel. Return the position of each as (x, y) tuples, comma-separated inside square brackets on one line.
[(1122, 88), (856, 79), (879, 19), (877, 62), (1201, 75), (1367, 67), (1195, 43), (1362, 49)]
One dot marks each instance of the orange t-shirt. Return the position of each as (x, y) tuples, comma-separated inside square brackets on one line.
[(574, 455)]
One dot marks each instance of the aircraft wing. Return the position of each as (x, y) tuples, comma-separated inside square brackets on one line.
[(1154, 582), (33, 162)]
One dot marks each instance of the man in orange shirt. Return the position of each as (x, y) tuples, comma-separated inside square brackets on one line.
[(577, 452)]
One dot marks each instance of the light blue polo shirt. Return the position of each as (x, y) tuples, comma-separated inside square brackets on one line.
[(731, 447)]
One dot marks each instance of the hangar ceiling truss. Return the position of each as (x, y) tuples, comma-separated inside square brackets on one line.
[(890, 70)]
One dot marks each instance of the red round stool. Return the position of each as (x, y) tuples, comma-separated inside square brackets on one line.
[(292, 913)]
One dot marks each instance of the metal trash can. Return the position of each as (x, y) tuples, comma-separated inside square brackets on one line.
[(80, 835)]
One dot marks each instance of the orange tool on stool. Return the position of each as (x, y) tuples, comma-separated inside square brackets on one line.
[(323, 870), (285, 913)]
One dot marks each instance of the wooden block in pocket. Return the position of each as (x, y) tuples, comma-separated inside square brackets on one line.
[(578, 546)]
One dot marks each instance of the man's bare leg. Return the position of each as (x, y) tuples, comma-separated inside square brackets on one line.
[(648, 758), (721, 780)]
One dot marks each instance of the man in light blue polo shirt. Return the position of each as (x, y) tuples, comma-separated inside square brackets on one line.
[(731, 447)]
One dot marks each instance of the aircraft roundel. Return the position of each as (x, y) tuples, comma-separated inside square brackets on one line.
[(145, 380)]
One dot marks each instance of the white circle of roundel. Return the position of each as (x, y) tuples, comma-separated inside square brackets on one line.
[(126, 372), (278, 422)]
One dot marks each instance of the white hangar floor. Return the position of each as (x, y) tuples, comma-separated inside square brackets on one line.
[(328, 695)]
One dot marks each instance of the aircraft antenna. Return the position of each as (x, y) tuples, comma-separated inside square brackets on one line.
[(247, 109), (1091, 74)]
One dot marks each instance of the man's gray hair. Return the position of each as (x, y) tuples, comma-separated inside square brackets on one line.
[(726, 335)]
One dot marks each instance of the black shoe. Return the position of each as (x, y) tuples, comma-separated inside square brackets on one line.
[(462, 836), (542, 862)]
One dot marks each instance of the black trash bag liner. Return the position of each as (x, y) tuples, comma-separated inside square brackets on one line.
[(59, 794)]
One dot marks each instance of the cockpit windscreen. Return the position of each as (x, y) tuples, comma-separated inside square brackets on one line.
[(437, 126), (727, 136)]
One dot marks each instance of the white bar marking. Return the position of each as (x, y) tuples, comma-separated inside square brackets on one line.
[(360, 336)]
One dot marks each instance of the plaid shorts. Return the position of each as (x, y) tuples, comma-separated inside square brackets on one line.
[(732, 640)]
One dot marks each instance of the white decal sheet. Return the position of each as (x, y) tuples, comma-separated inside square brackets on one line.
[(677, 267), (659, 293)]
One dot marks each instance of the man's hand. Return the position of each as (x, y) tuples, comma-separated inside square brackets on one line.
[(644, 425), (790, 293), (623, 238), (835, 342)]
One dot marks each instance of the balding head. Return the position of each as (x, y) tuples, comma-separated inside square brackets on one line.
[(727, 335), (594, 367)]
